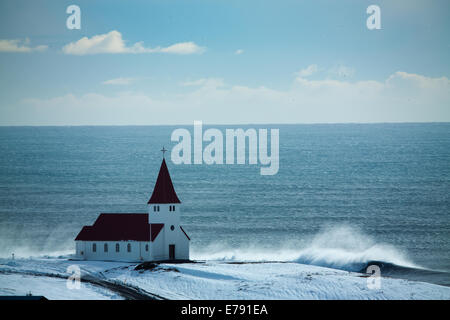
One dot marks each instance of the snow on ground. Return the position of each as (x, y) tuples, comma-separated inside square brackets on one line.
[(212, 280), (57, 265), (36, 275), (51, 288), (218, 280)]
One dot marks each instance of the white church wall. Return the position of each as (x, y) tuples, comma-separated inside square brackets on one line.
[(146, 254), (79, 249), (164, 215), (171, 221), (182, 249), (136, 253), (158, 245), (157, 250), (179, 239), (170, 234)]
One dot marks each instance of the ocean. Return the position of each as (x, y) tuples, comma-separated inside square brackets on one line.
[(345, 196)]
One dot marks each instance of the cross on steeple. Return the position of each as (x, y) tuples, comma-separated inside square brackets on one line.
[(163, 150)]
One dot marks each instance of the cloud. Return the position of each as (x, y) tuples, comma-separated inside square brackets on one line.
[(311, 69), (342, 71), (182, 48), (119, 81), (411, 79), (239, 51), (21, 46), (205, 82), (112, 42), (401, 97)]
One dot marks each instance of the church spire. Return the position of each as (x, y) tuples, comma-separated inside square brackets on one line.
[(164, 191)]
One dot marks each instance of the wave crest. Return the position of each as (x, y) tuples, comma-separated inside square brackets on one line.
[(341, 247)]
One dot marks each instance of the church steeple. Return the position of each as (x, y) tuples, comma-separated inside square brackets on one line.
[(164, 191)]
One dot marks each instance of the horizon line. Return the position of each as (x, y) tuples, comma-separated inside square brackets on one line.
[(225, 124)]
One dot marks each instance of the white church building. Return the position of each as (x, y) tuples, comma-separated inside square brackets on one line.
[(132, 237)]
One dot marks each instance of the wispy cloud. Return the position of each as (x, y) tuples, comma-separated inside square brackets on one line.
[(310, 70), (239, 51), (342, 71), (112, 42), (205, 82), (22, 46), (180, 48), (119, 81), (403, 97)]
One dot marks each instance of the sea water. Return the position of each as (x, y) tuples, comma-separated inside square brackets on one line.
[(345, 194)]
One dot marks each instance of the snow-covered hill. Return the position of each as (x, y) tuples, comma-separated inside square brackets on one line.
[(204, 280)]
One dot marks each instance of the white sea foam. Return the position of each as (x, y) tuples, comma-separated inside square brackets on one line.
[(341, 247)]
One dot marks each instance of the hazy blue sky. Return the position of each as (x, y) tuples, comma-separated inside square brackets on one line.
[(172, 62)]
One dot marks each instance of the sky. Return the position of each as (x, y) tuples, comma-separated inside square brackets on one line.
[(223, 62)]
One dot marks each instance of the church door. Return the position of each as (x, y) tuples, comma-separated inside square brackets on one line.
[(171, 251)]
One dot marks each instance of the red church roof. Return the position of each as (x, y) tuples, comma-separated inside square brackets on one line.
[(120, 227), (164, 191)]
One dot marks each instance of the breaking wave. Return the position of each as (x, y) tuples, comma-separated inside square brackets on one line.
[(341, 247), (348, 248), (345, 248)]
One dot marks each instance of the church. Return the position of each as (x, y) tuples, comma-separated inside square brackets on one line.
[(135, 237)]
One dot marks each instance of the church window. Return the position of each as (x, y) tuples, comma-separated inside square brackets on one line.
[(105, 247), (146, 247), (173, 208), (129, 247), (94, 247), (117, 247), (172, 227)]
